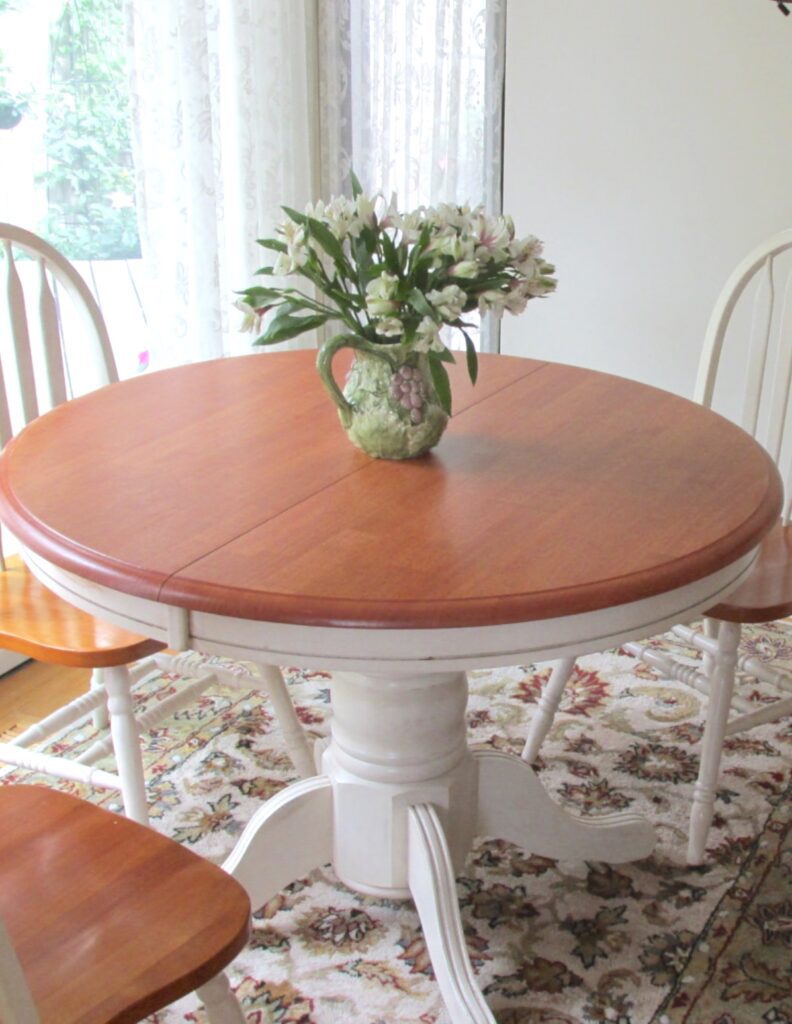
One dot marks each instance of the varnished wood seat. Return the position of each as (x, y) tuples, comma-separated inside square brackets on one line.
[(35, 622), (766, 594), (109, 920)]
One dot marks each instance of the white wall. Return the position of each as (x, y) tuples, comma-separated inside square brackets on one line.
[(650, 146)]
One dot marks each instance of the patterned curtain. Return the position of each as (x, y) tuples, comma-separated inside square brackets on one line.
[(413, 101), (224, 121), (241, 107)]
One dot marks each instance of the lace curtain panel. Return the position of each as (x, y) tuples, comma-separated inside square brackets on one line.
[(241, 107)]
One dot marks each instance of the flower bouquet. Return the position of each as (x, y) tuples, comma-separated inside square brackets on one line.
[(393, 281)]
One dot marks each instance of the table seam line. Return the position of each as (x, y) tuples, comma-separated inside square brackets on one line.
[(346, 476)]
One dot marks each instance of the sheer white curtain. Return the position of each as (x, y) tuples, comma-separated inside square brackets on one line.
[(225, 124), (240, 106), (412, 99)]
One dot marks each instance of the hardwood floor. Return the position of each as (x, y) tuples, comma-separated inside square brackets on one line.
[(33, 690)]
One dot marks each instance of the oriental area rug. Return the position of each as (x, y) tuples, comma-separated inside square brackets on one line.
[(654, 942)]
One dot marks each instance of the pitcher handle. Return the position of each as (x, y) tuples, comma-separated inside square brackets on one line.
[(324, 364)]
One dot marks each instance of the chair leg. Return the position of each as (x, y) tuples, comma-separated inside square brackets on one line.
[(294, 738), (547, 707), (126, 743), (711, 632), (219, 1002), (101, 718), (721, 687)]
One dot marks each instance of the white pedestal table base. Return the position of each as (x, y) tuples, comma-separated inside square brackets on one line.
[(398, 806)]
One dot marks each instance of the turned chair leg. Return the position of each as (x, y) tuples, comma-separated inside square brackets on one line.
[(219, 1002), (721, 681), (294, 737), (710, 627), (126, 742), (100, 717), (547, 707)]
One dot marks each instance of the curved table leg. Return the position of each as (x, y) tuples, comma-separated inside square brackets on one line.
[(431, 881), (514, 805), (285, 839), (398, 807)]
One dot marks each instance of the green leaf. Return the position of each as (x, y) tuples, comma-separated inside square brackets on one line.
[(284, 326), (419, 303), (446, 356), (442, 384), (328, 241), (357, 188), (259, 296), (472, 357), (363, 260), (391, 255), (298, 218), (272, 243)]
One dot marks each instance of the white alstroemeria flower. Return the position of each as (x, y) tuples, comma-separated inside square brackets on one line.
[(516, 299), (288, 262), (380, 295), (491, 301), (524, 253), (382, 287), (390, 216), (449, 302), (389, 327), (494, 238), (251, 319), (364, 211), (460, 248), (427, 336), (296, 254), (466, 269), (315, 210), (447, 217), (540, 286), (339, 215), (410, 225)]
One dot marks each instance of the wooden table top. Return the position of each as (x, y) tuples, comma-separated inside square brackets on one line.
[(230, 487)]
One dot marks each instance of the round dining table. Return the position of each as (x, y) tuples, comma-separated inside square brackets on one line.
[(219, 506)]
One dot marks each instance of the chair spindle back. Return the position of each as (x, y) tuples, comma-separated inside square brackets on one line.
[(45, 382), (767, 349)]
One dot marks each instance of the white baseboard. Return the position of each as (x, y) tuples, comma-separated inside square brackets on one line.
[(9, 660)]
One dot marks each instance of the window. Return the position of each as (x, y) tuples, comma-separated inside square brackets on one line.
[(66, 150)]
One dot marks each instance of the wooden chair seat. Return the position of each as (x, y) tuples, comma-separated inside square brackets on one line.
[(35, 622), (766, 594), (110, 920)]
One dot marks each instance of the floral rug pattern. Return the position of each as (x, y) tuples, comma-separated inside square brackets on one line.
[(654, 942)]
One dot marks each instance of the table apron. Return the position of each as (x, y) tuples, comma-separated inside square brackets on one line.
[(394, 650)]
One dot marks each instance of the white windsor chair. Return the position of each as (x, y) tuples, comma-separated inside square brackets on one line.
[(33, 620), (766, 594)]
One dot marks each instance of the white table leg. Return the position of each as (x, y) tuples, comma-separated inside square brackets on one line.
[(433, 889), (514, 805), (289, 836), (398, 806)]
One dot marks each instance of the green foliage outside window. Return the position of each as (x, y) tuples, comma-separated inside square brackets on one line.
[(89, 176)]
